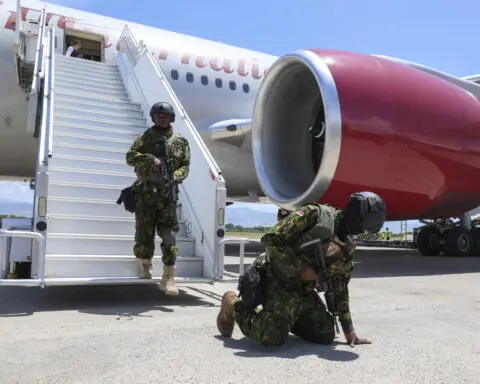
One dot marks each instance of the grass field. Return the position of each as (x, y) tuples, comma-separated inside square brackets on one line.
[(248, 235), (253, 235)]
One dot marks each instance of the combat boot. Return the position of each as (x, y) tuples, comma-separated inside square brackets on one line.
[(226, 316), (145, 268), (167, 284)]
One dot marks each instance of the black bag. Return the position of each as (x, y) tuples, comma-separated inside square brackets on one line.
[(127, 197), (251, 287)]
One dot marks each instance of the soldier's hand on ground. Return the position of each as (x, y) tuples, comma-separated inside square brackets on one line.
[(156, 164), (353, 339)]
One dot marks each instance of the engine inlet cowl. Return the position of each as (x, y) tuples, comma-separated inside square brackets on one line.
[(330, 123)]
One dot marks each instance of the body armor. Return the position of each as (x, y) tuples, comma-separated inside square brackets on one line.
[(323, 229)]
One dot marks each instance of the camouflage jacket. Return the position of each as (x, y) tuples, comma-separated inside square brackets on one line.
[(286, 260), (145, 148)]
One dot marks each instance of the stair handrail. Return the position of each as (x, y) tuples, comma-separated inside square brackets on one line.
[(38, 74), (45, 149), (208, 243), (142, 49), (18, 30)]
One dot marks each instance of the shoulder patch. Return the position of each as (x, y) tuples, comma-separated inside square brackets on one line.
[(300, 213)]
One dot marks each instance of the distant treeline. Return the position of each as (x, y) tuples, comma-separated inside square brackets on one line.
[(259, 229), (10, 217), (240, 228)]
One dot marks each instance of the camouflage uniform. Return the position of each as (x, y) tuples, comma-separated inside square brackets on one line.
[(152, 210), (291, 304)]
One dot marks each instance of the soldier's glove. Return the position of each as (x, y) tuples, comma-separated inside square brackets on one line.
[(156, 163)]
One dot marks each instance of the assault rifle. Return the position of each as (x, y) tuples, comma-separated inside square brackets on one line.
[(328, 287), (169, 179)]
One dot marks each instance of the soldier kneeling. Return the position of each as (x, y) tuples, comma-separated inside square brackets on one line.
[(284, 278)]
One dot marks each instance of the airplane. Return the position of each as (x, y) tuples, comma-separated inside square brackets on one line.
[(313, 124)]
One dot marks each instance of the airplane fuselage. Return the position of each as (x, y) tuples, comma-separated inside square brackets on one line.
[(215, 82)]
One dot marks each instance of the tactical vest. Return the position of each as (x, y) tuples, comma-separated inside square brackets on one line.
[(323, 229), (155, 150)]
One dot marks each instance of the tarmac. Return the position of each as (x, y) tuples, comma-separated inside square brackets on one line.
[(422, 315)]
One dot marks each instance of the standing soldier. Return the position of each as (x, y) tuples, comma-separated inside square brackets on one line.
[(155, 208)]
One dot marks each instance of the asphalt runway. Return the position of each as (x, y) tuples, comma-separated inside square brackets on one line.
[(422, 315)]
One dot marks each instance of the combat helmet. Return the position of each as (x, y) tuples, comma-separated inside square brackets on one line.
[(162, 108), (365, 212)]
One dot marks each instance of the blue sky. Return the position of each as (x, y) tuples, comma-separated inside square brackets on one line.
[(440, 34)]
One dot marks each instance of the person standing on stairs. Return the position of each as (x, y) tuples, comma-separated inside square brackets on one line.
[(154, 212)]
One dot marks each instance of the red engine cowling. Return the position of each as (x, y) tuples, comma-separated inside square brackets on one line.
[(387, 128)]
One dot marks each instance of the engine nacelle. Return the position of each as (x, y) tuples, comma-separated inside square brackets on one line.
[(329, 123)]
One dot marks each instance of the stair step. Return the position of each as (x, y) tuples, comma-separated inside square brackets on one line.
[(92, 153), (133, 117), (63, 282), (85, 72), (81, 244), (90, 84), (88, 80), (68, 266), (121, 180), (116, 93), (89, 87), (76, 61), (81, 64), (119, 226), (137, 126), (86, 207), (67, 99), (90, 141), (74, 94), (82, 162), (77, 127), (81, 191)]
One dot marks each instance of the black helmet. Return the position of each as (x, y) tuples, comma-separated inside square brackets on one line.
[(164, 108), (365, 211)]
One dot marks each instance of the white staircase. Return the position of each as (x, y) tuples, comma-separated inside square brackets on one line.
[(91, 113), (89, 235)]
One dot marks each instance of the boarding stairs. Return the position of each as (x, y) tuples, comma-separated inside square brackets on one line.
[(91, 112)]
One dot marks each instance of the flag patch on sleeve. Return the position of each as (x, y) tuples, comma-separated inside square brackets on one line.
[(300, 213)]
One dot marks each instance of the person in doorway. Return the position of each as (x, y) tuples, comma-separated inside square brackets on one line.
[(154, 210), (73, 50), (292, 269)]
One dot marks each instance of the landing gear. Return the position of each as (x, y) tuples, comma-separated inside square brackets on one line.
[(457, 239), (428, 241), (458, 242)]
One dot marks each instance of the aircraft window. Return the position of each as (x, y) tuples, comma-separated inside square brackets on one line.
[(246, 88), (204, 80), (174, 74), (189, 77), (233, 85), (218, 83)]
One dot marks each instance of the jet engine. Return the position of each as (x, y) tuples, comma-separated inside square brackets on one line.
[(328, 123)]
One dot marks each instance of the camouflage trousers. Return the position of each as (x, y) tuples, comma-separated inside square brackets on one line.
[(300, 312), (153, 214)]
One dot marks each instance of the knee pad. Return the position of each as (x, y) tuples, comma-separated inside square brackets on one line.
[(168, 237)]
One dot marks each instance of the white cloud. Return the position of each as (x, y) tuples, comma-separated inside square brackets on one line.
[(15, 191)]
